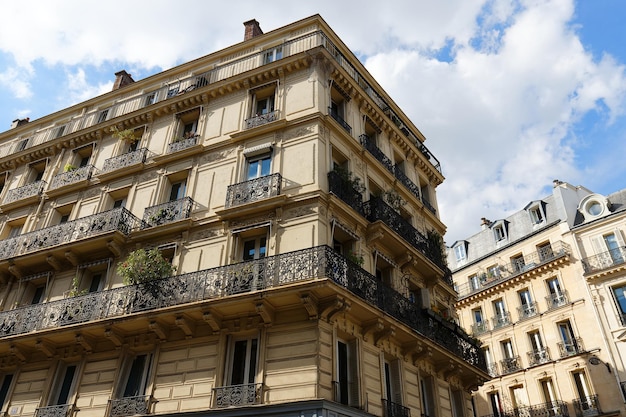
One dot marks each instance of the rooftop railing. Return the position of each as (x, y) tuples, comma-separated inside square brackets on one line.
[(118, 219), (182, 85), (320, 262), (520, 265)]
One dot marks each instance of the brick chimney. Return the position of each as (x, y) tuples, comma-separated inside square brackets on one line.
[(485, 223), (19, 122), (252, 29), (122, 79)]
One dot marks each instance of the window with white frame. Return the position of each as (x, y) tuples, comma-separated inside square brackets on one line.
[(427, 391), (136, 376), (272, 55), (536, 212), (619, 292), (103, 115), (241, 367), (7, 381), (65, 384), (609, 249), (460, 252), (499, 233), (393, 382), (258, 165)]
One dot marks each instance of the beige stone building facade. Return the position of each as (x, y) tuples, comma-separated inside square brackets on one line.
[(522, 286), (295, 201)]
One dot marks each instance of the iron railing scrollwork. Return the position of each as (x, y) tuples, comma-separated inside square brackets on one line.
[(245, 277), (335, 115), (25, 191), (557, 300), (262, 119), (72, 177), (63, 410), (182, 144), (168, 212), (118, 219), (527, 310), (344, 190), (125, 160), (501, 320), (391, 409), (547, 409), (129, 406), (253, 190), (571, 347), (480, 328), (587, 406), (370, 145), (604, 260), (238, 395), (538, 357), (509, 365)]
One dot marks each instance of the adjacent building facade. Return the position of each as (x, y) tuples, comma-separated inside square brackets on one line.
[(522, 286), (297, 204)]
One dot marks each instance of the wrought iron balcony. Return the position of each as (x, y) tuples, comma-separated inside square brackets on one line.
[(335, 115), (181, 144), (238, 395), (71, 177), (410, 185), (28, 190), (492, 369), (129, 406), (587, 406), (376, 209), (604, 260), (344, 190), (518, 266), (253, 190), (557, 300), (526, 311), (571, 347), (63, 410), (391, 409), (262, 119), (167, 212), (501, 320), (538, 357), (370, 145), (125, 160), (480, 328), (548, 409), (310, 264), (509, 365), (118, 219)]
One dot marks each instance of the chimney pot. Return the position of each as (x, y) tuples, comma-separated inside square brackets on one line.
[(252, 29), (19, 122), (122, 79)]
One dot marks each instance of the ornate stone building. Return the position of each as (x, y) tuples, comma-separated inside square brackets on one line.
[(295, 201), (522, 285)]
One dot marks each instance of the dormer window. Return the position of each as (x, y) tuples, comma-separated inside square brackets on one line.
[(499, 233), (536, 212), (594, 206), (460, 251)]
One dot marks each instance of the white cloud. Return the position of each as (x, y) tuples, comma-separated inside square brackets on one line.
[(78, 88), (16, 80)]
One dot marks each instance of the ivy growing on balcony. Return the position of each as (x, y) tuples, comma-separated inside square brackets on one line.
[(143, 266)]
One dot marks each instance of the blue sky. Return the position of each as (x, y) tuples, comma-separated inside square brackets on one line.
[(510, 94)]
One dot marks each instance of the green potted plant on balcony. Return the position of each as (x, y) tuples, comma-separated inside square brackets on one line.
[(144, 266), (69, 168), (127, 135), (74, 290)]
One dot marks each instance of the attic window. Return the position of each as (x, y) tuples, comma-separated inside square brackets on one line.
[(460, 252), (499, 231)]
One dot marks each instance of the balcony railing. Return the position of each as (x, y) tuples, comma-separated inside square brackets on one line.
[(262, 119), (501, 320), (219, 73), (548, 409), (335, 115), (28, 190), (320, 262), (587, 406), (63, 410), (118, 219), (253, 190), (509, 365), (492, 369), (571, 347), (521, 265), (344, 191), (238, 395), (604, 260), (125, 160), (181, 144), (480, 328), (526, 311), (167, 212), (391, 409), (538, 357), (557, 300), (370, 145), (129, 406), (71, 177)]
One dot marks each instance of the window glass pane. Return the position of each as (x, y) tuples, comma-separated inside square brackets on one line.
[(621, 298), (4, 390), (66, 384), (253, 354), (239, 362), (135, 377)]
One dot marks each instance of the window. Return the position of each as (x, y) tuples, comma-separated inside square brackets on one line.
[(544, 250), (254, 248), (172, 92), (496, 404), (7, 379), (493, 272), (620, 299), (103, 115), (347, 380), (263, 100), (35, 293), (272, 55), (527, 306), (21, 145), (37, 170), (510, 363), (556, 297), (59, 131), (583, 392), (518, 264), (507, 349), (258, 166), (15, 229), (538, 354), (81, 156), (479, 326), (152, 98), (501, 316), (392, 378), (187, 124), (460, 252), (457, 402), (427, 396), (547, 389), (498, 233), (474, 282), (242, 362), (65, 384), (492, 368), (536, 212), (569, 344), (137, 373), (177, 190)]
